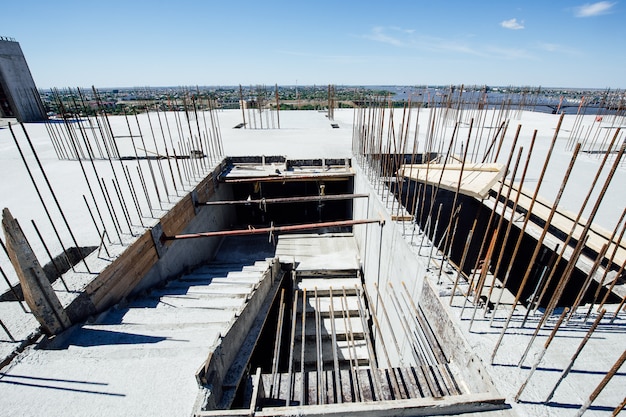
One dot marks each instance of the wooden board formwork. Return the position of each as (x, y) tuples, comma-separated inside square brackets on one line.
[(175, 221), (118, 279), (205, 189)]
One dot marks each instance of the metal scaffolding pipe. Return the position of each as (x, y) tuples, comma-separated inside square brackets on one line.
[(302, 199), (287, 178), (273, 229)]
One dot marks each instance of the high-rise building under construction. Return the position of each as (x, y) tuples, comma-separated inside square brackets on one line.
[(18, 94)]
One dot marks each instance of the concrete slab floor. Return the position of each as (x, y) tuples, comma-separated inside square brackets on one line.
[(139, 358)]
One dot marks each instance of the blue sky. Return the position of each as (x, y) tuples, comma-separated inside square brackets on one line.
[(112, 43)]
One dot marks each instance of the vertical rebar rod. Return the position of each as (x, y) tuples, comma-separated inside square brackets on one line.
[(507, 231), (610, 260), (351, 346), (143, 143), (537, 248), (158, 155), (510, 225), (54, 197), (483, 277), (176, 158), (468, 241), (54, 264), (619, 408), (277, 339), (145, 189), (492, 214), (122, 202), (302, 344), (618, 309), (337, 390), (132, 140), (93, 219), (434, 236), (394, 379), (6, 330), (576, 221), (292, 343), (602, 384), (532, 303), (45, 207), (582, 344), (370, 348), (17, 297), (109, 204), (585, 285), (609, 290), (447, 250), (581, 242), (541, 354), (133, 193), (318, 350)]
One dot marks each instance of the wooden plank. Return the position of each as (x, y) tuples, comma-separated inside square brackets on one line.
[(476, 180), (119, 278), (205, 189), (38, 292), (312, 387), (347, 386), (402, 218), (414, 390), (422, 382), (386, 393), (178, 217), (441, 382), (295, 389), (453, 387), (367, 384), (406, 383), (461, 404)]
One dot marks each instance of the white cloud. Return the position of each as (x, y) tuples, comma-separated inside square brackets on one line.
[(594, 9), (512, 24), (550, 47), (379, 34), (508, 53), (557, 48), (409, 39)]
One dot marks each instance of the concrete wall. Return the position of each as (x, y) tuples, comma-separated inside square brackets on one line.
[(388, 257), (17, 84)]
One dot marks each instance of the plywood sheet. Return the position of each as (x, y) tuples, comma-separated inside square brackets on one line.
[(475, 181)]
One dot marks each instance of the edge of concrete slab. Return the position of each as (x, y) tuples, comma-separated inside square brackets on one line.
[(453, 405)]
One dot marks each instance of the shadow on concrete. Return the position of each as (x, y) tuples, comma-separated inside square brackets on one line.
[(559, 370), (37, 382), (93, 337), (245, 250), (567, 405), (28, 377)]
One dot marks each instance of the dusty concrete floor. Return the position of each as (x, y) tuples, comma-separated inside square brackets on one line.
[(139, 357), (301, 137)]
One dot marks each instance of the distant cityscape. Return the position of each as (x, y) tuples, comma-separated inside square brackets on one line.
[(292, 97)]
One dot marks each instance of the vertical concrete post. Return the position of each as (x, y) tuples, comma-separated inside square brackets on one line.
[(38, 292)]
